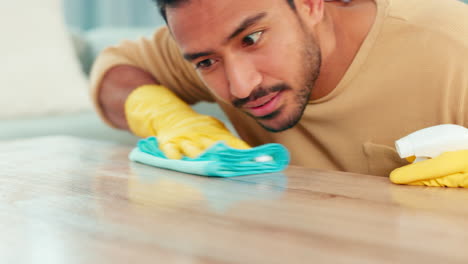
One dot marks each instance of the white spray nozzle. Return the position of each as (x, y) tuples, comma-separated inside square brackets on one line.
[(432, 141), (404, 147)]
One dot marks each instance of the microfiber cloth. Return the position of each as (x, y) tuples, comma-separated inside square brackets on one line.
[(219, 160)]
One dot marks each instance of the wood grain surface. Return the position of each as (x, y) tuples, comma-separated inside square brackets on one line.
[(69, 200)]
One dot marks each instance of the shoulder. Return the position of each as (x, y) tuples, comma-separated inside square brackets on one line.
[(441, 19)]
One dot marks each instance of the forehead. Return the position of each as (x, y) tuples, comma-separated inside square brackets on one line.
[(198, 23)]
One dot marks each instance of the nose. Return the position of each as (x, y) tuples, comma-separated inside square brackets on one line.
[(242, 75)]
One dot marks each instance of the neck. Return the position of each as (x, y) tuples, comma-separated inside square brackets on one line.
[(340, 35)]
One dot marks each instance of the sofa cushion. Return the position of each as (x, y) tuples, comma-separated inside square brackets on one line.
[(40, 72)]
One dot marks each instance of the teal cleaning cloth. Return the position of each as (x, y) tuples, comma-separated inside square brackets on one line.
[(219, 160)]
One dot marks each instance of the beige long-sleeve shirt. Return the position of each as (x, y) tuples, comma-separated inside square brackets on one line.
[(411, 72)]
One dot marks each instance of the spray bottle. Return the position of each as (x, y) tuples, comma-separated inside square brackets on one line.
[(432, 141)]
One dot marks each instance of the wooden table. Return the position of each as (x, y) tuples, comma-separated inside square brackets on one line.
[(68, 200)]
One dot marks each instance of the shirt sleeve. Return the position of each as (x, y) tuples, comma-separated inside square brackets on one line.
[(158, 55)]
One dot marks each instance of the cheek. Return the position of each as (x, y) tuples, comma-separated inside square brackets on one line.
[(281, 56), (280, 62)]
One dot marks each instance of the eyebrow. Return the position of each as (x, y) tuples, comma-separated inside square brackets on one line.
[(246, 23)]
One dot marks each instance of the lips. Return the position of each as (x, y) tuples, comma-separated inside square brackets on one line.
[(264, 106), (260, 101)]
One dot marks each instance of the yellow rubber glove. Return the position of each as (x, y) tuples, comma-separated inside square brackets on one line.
[(450, 169), (154, 110)]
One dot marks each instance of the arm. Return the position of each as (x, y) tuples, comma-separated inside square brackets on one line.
[(115, 87), (119, 69)]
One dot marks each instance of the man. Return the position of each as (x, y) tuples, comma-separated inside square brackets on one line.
[(337, 82)]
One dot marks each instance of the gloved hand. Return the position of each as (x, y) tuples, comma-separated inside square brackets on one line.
[(449, 169), (154, 110)]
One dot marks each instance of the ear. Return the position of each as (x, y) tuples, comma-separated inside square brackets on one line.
[(311, 11)]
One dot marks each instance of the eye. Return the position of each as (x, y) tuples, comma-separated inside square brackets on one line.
[(251, 39), (204, 64)]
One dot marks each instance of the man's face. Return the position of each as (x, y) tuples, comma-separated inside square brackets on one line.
[(255, 54)]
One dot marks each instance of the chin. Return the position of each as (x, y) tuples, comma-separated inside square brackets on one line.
[(276, 128), (279, 122)]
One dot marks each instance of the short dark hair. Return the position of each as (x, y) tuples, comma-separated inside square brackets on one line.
[(162, 4)]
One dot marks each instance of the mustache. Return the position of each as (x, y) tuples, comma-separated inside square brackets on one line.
[(260, 92)]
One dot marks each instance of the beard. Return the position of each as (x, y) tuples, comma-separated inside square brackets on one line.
[(310, 70)]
